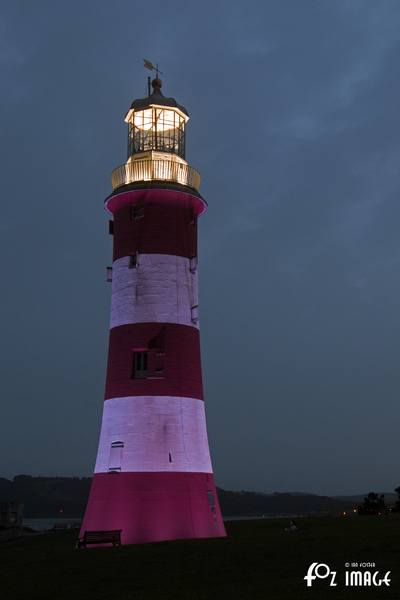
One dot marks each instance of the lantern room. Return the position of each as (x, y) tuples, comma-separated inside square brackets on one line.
[(156, 142), (156, 123)]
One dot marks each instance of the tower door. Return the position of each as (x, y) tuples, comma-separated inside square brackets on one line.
[(115, 460)]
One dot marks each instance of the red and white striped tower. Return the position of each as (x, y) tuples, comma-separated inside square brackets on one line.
[(153, 475)]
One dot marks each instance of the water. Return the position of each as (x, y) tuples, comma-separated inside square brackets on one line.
[(49, 523), (257, 517)]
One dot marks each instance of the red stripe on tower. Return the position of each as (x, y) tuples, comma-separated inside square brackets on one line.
[(153, 476)]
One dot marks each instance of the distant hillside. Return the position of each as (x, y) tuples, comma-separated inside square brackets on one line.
[(47, 496), (390, 498), (67, 496), (252, 503)]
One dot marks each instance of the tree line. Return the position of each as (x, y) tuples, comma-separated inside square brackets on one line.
[(374, 504)]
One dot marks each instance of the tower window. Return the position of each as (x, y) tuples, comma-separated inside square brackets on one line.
[(133, 261), (137, 212), (111, 227), (140, 365), (193, 264), (194, 313), (115, 460)]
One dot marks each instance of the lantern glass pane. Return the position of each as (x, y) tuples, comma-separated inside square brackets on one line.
[(160, 129)]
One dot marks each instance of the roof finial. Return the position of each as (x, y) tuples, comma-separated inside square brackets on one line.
[(156, 83)]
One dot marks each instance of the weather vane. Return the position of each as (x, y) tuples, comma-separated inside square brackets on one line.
[(149, 65)]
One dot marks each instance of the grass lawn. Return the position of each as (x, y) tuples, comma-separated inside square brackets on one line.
[(257, 560)]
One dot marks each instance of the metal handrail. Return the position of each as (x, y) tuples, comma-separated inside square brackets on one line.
[(155, 170)]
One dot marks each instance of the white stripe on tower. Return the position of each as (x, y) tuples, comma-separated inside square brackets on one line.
[(154, 288), (153, 433)]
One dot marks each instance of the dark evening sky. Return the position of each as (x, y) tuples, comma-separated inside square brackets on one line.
[(295, 130)]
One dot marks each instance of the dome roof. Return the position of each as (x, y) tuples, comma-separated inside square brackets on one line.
[(157, 97)]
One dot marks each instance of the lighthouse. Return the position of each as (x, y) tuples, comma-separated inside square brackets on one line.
[(153, 476)]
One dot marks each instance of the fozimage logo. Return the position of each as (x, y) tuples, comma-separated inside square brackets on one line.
[(362, 577), (320, 571)]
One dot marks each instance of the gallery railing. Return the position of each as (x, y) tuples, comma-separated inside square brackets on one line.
[(155, 170)]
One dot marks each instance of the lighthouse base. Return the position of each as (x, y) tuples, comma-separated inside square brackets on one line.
[(151, 507)]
